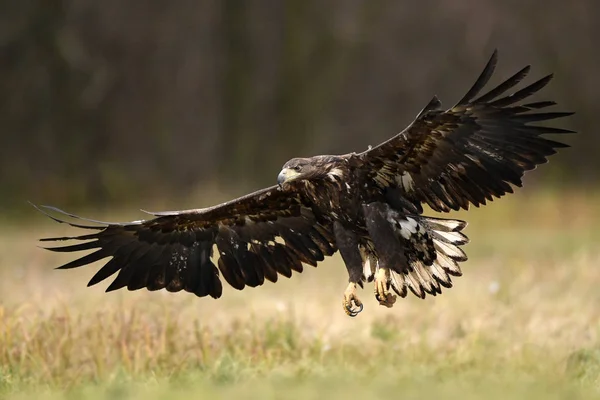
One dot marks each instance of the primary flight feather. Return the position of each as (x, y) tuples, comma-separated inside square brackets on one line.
[(366, 205)]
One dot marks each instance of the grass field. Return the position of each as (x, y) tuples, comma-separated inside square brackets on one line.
[(523, 322)]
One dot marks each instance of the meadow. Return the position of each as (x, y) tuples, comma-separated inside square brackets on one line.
[(523, 322)]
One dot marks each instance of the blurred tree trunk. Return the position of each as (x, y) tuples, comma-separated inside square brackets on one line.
[(107, 101)]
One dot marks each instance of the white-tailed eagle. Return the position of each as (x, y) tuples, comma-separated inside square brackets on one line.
[(366, 205)]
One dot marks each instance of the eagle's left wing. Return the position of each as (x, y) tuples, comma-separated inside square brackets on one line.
[(258, 236), (470, 153)]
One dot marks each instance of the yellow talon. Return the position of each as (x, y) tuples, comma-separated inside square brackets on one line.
[(382, 288), (352, 305)]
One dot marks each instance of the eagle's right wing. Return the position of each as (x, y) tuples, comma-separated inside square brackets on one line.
[(257, 237), (471, 152)]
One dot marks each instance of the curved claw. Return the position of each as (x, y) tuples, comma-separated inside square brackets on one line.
[(389, 300), (382, 288), (351, 311), (352, 305)]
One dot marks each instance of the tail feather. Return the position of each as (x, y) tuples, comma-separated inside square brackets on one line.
[(448, 264), (443, 224), (451, 250), (415, 284), (440, 275), (432, 252), (457, 238), (399, 284), (428, 282)]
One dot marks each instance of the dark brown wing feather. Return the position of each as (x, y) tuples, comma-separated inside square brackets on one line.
[(472, 152), (259, 236)]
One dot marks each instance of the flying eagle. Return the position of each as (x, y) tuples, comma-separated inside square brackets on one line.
[(367, 205)]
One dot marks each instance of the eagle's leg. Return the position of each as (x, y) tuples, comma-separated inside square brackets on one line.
[(382, 288), (347, 243), (372, 271), (389, 249)]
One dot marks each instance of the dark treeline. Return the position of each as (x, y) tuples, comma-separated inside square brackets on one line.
[(117, 101)]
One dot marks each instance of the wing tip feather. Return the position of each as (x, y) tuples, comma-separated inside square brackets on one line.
[(482, 80)]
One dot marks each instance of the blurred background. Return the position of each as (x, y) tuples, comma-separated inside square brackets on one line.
[(134, 103), (111, 106)]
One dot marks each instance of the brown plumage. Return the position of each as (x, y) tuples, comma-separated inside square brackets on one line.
[(367, 205)]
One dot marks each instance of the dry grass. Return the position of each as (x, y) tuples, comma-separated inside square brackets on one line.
[(523, 321)]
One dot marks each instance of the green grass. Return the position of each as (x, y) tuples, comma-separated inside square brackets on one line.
[(523, 322)]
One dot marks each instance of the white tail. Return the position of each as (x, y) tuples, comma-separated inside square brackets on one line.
[(432, 252)]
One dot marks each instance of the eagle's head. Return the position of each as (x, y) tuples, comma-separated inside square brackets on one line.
[(312, 168)]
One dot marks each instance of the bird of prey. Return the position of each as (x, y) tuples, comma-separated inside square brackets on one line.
[(367, 205)]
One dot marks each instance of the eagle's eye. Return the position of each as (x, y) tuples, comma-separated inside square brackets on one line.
[(298, 168)]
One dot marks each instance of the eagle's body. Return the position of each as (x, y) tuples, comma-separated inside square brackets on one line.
[(366, 205)]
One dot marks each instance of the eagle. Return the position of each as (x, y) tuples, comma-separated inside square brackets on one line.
[(367, 205)]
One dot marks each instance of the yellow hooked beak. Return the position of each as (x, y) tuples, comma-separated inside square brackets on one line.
[(286, 175)]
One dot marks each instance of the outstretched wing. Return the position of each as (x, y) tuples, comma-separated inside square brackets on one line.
[(259, 236), (472, 152)]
